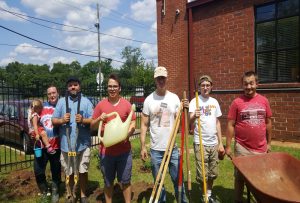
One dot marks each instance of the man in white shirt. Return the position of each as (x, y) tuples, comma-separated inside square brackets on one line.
[(159, 112)]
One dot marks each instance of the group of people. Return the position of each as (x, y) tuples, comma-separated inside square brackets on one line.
[(72, 118)]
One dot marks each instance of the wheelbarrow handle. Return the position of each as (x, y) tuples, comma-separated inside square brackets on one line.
[(230, 156)]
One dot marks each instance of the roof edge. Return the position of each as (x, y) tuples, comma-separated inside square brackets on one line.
[(198, 3)]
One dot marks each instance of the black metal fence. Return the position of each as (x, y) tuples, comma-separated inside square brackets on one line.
[(16, 147)]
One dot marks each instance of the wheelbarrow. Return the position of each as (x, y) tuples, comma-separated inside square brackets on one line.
[(272, 177)]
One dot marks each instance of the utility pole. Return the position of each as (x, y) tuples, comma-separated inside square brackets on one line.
[(97, 25)]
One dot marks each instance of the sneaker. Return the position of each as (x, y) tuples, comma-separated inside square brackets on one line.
[(55, 198), (50, 150), (84, 200), (212, 200)]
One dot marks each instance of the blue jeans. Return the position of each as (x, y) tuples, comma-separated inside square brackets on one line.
[(156, 159)]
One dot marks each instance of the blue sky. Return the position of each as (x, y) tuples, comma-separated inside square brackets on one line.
[(69, 24)]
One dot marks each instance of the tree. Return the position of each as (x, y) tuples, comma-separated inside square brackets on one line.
[(135, 71), (133, 62)]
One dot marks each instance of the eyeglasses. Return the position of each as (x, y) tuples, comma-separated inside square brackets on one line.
[(113, 87), (204, 85)]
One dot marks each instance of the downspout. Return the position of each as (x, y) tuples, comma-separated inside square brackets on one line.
[(190, 54)]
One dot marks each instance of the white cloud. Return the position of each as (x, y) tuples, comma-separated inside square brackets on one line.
[(144, 10), (59, 8), (61, 59), (12, 54), (154, 27), (82, 42), (111, 47), (82, 19), (6, 61), (27, 51), (32, 52), (106, 7), (83, 14), (123, 32), (9, 16), (50, 8), (149, 50)]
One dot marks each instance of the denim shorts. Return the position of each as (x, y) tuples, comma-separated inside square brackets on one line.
[(120, 165)]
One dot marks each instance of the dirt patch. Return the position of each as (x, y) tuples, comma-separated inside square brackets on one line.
[(18, 185), (141, 192)]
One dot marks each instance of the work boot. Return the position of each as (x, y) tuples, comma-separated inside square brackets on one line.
[(55, 193)]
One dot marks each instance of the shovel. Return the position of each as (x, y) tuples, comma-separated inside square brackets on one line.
[(201, 145), (72, 148)]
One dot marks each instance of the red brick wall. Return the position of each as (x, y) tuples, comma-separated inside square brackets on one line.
[(285, 108), (224, 48), (172, 38)]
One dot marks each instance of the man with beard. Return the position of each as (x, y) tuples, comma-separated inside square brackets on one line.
[(78, 138)]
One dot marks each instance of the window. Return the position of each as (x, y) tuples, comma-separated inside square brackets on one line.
[(277, 41)]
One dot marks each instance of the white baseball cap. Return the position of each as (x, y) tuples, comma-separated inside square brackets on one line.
[(160, 71)]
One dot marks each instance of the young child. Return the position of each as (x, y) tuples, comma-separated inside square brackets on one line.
[(35, 129)]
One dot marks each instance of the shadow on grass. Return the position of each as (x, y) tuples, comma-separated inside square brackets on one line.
[(92, 187), (145, 196), (220, 193)]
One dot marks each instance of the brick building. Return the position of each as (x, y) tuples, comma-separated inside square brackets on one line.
[(225, 38)]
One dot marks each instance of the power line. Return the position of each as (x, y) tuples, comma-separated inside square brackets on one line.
[(37, 47), (121, 14), (31, 46), (73, 52), (19, 16), (112, 10), (83, 29)]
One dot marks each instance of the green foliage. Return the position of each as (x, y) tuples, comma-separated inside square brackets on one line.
[(135, 71)]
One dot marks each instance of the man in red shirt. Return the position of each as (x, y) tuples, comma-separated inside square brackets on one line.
[(249, 121), (117, 159)]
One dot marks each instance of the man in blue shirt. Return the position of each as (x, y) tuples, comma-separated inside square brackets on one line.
[(77, 124)]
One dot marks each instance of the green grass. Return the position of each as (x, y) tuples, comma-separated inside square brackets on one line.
[(10, 155), (223, 185)]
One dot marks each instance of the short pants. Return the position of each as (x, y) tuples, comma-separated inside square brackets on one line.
[(83, 161), (120, 165), (211, 161)]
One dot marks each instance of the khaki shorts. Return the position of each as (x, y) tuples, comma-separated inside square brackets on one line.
[(83, 161), (211, 162), (239, 150)]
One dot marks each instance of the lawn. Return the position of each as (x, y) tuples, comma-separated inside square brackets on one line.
[(10, 155), (223, 186)]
